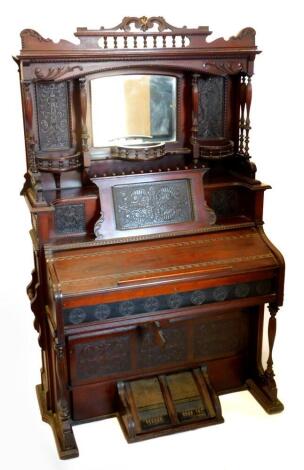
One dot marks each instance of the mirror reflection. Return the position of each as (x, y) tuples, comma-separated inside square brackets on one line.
[(134, 110)]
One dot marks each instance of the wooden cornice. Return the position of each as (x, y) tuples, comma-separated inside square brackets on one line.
[(148, 36)]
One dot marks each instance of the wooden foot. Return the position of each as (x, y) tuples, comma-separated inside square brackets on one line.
[(62, 429), (264, 396), (264, 387)]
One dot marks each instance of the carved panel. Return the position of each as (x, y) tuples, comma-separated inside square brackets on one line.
[(223, 68), (150, 354), (211, 107), (53, 115), (69, 218), (166, 302), (149, 204), (106, 356), (213, 338), (52, 73)]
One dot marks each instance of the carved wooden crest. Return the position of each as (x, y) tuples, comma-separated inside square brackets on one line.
[(144, 23)]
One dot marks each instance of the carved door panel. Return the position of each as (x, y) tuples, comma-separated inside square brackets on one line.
[(154, 346)]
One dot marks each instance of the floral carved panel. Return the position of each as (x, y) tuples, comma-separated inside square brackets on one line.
[(53, 115), (148, 204), (211, 107)]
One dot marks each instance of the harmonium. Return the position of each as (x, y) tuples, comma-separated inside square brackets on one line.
[(151, 265)]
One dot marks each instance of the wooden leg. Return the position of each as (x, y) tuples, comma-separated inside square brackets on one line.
[(61, 426), (59, 417), (269, 373), (264, 389), (55, 412)]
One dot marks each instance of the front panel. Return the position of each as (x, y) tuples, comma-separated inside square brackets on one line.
[(225, 342)]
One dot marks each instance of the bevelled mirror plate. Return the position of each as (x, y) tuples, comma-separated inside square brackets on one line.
[(133, 110)]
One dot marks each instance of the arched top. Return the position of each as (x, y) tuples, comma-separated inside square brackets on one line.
[(143, 23)]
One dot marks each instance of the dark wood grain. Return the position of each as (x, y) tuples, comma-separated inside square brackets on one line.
[(116, 301)]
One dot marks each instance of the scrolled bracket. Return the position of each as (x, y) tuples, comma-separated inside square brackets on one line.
[(33, 292), (210, 214), (98, 227)]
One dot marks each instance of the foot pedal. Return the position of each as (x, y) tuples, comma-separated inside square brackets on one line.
[(167, 403)]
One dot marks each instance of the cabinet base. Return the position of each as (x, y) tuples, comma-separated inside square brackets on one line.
[(63, 432), (65, 440), (263, 396)]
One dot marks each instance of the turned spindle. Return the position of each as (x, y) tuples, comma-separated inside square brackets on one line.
[(247, 122), (83, 116), (28, 118), (242, 114), (194, 129)]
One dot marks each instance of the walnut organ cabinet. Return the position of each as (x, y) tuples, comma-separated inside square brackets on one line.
[(151, 265)]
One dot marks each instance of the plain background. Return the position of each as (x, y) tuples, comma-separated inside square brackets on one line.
[(249, 438)]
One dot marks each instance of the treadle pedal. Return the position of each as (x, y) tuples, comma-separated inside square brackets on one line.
[(167, 403)]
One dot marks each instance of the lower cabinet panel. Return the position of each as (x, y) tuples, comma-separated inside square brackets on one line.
[(222, 341), (101, 399)]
